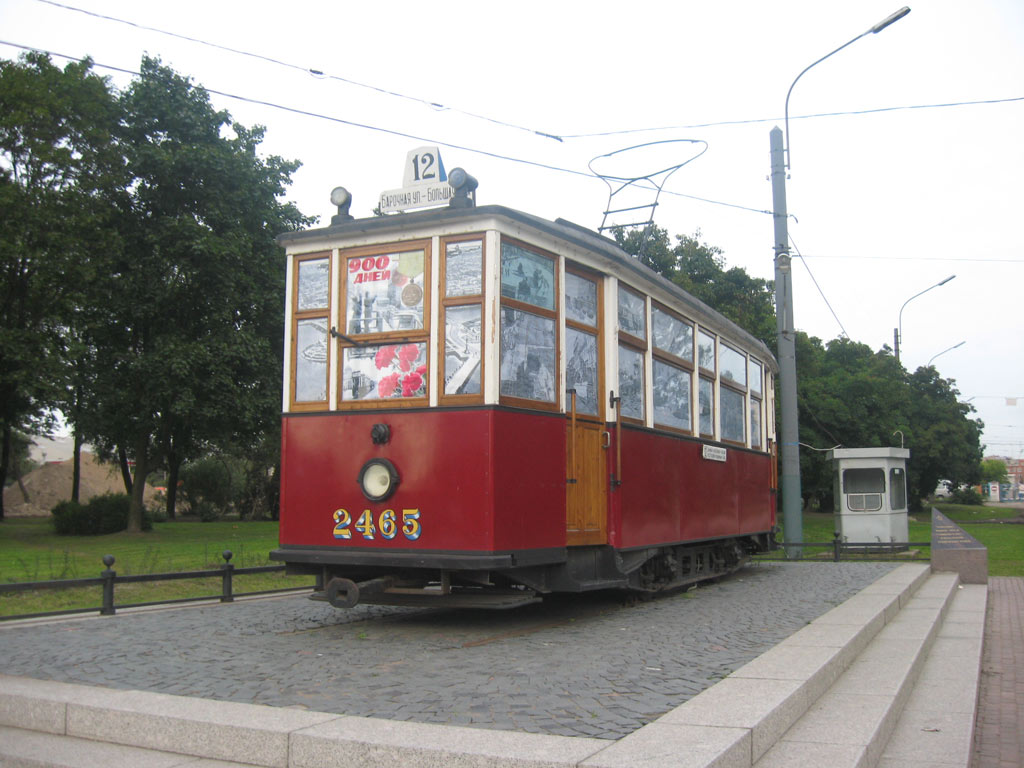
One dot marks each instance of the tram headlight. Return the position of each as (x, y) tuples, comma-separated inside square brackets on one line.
[(378, 479)]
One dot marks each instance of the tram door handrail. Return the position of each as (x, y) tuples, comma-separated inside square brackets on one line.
[(616, 403), (572, 437)]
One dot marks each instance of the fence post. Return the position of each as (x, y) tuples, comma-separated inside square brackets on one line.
[(228, 568), (108, 576), (835, 547)]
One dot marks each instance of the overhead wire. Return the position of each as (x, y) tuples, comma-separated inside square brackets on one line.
[(309, 113), (439, 106), (914, 258), (389, 131), (436, 105), (816, 285), (756, 120), (307, 70)]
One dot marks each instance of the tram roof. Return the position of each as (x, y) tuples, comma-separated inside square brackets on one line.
[(561, 229)]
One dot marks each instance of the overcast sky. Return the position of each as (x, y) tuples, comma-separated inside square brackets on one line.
[(886, 199)]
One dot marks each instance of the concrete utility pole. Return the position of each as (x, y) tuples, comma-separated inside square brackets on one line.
[(789, 473), (792, 495)]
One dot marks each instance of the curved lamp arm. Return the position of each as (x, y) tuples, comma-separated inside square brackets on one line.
[(891, 19)]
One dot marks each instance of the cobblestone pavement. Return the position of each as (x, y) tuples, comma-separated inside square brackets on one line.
[(999, 731), (590, 665)]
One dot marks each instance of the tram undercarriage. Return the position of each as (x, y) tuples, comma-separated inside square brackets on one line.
[(582, 569)]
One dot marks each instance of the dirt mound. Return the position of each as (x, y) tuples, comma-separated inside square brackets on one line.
[(51, 483)]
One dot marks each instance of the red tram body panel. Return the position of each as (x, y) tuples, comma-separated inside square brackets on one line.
[(453, 489), (511, 407)]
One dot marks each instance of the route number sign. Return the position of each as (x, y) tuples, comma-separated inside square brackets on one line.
[(424, 183)]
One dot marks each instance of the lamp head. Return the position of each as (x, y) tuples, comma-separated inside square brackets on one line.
[(465, 189), (889, 20), (342, 198)]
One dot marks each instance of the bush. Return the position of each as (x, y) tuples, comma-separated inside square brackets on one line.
[(209, 486), (109, 512), (966, 496), (68, 518), (101, 515)]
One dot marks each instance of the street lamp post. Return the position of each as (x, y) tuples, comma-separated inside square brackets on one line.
[(789, 474), (948, 349), (897, 332)]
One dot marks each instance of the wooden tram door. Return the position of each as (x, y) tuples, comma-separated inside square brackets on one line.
[(586, 499), (586, 495)]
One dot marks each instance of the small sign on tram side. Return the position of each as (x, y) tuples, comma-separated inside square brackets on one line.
[(714, 453), (424, 183)]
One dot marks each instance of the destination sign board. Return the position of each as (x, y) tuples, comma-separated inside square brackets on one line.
[(424, 183), (419, 196)]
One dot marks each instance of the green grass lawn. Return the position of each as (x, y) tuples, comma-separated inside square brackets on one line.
[(1004, 540), (30, 551)]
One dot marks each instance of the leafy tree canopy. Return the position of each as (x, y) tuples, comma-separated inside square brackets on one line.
[(993, 471), (141, 284), (58, 166)]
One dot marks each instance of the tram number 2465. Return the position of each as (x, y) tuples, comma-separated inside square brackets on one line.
[(387, 525)]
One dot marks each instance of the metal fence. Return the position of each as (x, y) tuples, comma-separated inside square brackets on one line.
[(108, 579), (880, 550)]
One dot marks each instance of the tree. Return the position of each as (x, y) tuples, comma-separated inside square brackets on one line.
[(187, 324), (852, 397), (993, 471), (944, 441), (58, 166)]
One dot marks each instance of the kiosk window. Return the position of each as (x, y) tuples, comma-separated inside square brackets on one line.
[(864, 489)]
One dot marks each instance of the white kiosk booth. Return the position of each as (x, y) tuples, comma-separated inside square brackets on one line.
[(871, 495)]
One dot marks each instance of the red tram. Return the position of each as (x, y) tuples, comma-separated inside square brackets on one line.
[(481, 406)]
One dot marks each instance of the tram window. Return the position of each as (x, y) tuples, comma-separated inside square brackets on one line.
[(672, 335), (528, 363), (580, 300), (583, 352), (527, 356), (463, 268), (527, 277), (706, 404), (311, 361), (733, 421), (385, 292), (706, 351), (582, 369), (313, 283), (733, 365), (631, 382), (755, 375), (386, 300), (632, 314), (384, 372), (671, 396), (311, 311), (462, 312), (462, 334), (755, 423)]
